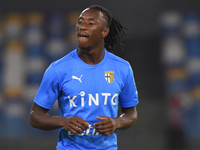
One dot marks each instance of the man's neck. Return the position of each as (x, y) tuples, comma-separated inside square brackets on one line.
[(91, 57)]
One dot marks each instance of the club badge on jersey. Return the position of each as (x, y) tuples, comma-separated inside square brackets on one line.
[(109, 76)]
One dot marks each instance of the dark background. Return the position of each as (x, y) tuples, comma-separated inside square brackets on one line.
[(142, 50)]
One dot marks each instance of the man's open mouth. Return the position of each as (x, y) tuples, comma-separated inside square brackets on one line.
[(83, 35)]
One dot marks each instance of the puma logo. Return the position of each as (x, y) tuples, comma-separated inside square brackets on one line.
[(79, 79)]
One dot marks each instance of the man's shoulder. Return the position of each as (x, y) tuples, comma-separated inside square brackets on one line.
[(65, 60), (117, 59)]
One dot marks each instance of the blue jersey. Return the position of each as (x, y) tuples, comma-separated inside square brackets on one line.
[(88, 91)]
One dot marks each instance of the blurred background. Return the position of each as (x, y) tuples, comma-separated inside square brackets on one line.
[(163, 48)]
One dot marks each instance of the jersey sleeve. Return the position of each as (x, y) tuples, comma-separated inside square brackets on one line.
[(129, 94), (49, 89)]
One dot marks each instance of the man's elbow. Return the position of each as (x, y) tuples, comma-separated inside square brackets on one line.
[(32, 119), (134, 118)]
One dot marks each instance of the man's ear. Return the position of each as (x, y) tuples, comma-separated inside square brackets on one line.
[(105, 32)]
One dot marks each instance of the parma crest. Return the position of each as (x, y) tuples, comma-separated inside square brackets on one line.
[(109, 76)]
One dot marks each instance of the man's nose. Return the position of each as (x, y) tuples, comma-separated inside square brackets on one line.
[(83, 26)]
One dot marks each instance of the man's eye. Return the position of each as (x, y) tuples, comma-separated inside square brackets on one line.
[(80, 22), (91, 23)]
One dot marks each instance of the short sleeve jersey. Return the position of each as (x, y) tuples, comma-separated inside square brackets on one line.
[(88, 91)]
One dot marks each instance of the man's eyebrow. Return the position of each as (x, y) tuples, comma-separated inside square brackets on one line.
[(80, 18), (92, 19), (88, 18)]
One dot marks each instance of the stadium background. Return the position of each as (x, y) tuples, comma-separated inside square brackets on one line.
[(163, 48)]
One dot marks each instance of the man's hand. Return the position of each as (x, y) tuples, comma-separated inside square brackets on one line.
[(105, 127), (74, 124)]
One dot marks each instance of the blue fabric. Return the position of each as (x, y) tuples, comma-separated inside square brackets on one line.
[(88, 91)]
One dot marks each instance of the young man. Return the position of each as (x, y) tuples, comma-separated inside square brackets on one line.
[(89, 84)]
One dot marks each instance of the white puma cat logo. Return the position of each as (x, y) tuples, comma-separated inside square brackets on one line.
[(79, 79)]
